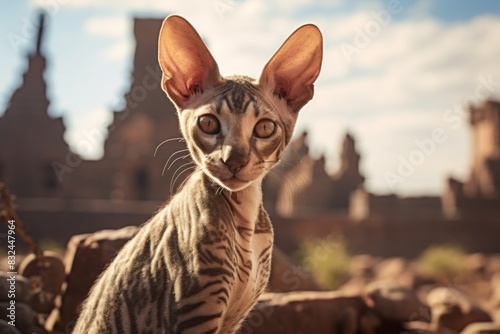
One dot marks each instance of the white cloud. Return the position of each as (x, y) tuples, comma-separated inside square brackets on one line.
[(118, 51), (108, 26), (87, 139), (117, 28)]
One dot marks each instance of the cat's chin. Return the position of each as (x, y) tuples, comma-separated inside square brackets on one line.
[(234, 184)]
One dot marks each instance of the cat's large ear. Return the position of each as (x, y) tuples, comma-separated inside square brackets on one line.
[(292, 70), (187, 65)]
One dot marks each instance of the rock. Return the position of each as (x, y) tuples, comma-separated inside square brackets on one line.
[(287, 276), (304, 312), (496, 317), (420, 327), (370, 323), (476, 263), (86, 257), (400, 270), (495, 280), (391, 269), (51, 275), (451, 309), (394, 302), (362, 266), (22, 288), (481, 328), (493, 265), (495, 298), (355, 286), (5, 328), (46, 279), (25, 317)]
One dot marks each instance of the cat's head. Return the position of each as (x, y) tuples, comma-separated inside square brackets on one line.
[(236, 128)]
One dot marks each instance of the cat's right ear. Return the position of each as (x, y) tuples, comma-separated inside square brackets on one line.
[(293, 69), (187, 65)]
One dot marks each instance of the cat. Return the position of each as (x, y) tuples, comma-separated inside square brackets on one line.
[(199, 265)]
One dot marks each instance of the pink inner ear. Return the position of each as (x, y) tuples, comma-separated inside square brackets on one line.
[(282, 87), (194, 84), (194, 81)]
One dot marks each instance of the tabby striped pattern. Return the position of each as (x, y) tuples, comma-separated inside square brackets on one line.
[(194, 268)]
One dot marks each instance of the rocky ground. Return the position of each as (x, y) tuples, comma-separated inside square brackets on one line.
[(378, 296)]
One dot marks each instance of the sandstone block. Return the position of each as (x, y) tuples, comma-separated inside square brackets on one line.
[(394, 302), (304, 312), (451, 309), (420, 327), (482, 328), (495, 297)]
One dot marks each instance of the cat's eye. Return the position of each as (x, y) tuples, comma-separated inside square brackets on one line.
[(264, 128), (209, 124)]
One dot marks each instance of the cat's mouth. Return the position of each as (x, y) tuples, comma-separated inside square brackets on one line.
[(232, 181), (229, 181)]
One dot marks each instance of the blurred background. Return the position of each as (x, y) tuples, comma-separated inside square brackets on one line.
[(398, 151)]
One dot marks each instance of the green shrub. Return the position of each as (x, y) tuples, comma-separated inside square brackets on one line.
[(51, 245), (326, 259), (443, 261)]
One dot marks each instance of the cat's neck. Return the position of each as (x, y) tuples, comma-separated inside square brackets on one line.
[(244, 204)]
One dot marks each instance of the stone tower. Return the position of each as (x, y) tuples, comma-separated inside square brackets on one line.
[(479, 195), (147, 120), (30, 140), (484, 179)]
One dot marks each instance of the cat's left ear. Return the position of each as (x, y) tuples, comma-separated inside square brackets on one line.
[(292, 70), (187, 65)]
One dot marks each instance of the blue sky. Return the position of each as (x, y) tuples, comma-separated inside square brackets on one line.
[(395, 73)]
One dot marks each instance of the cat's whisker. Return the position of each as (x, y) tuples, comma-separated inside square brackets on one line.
[(174, 177), (185, 180), (185, 170), (166, 141), (173, 162), (296, 153), (218, 191), (289, 186), (173, 154)]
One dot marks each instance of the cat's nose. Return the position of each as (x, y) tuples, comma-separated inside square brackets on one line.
[(235, 165), (235, 159)]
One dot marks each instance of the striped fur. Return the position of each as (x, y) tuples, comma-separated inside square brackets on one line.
[(199, 265)]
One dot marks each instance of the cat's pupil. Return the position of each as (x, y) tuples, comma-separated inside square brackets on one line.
[(209, 124)]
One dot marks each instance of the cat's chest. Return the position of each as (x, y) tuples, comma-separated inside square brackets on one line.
[(252, 256)]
